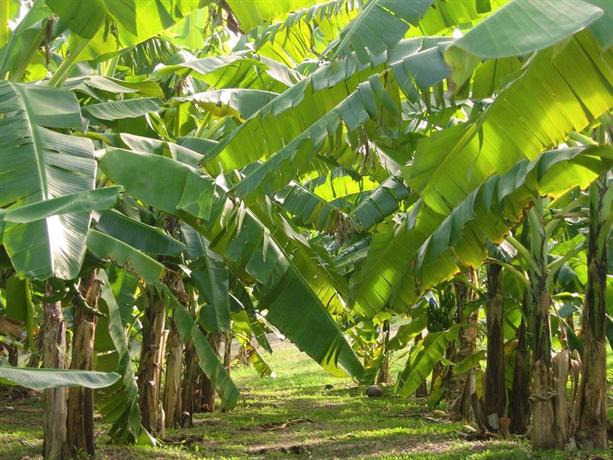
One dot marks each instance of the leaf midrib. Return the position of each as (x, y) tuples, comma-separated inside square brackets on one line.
[(40, 162)]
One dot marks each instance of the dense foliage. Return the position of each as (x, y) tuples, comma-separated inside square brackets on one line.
[(429, 177)]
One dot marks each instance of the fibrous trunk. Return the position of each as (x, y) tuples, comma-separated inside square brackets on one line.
[(172, 391), (150, 366), (495, 396), (227, 353), (80, 421), (592, 408), (519, 409), (549, 407), (383, 376), (462, 387), (55, 403), (188, 393), (13, 355)]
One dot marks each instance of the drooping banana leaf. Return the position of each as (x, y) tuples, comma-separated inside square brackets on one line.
[(105, 246), (41, 379), (312, 109), (422, 358), (91, 200), (307, 208), (381, 202), (240, 103), (207, 359), (535, 112), (211, 277), (428, 247), (319, 108), (305, 33), (118, 404), (246, 244), (488, 211), (380, 25), (38, 164), (523, 26), (118, 110), (138, 235), (134, 21), (254, 12)]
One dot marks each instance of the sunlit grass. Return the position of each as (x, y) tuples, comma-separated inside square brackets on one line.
[(321, 423)]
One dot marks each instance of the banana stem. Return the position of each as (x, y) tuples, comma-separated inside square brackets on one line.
[(61, 74), (4, 23)]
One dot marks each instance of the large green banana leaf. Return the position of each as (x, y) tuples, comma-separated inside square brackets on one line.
[(446, 15), (100, 88), (305, 33), (380, 25), (561, 89), (119, 403), (140, 236), (134, 21), (38, 164), (428, 247), (390, 260), (307, 208), (314, 264), (24, 41), (233, 72), (119, 110), (381, 203), (422, 360), (245, 243), (105, 246), (240, 102), (500, 201), (414, 64), (207, 358), (254, 12), (91, 200), (41, 379), (524, 26), (211, 277), (304, 116)]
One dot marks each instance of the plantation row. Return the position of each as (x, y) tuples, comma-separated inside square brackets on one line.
[(418, 178)]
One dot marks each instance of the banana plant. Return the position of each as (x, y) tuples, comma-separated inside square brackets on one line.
[(298, 165)]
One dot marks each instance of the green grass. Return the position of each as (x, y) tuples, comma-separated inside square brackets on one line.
[(292, 415)]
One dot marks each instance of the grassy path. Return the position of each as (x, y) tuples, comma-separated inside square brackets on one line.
[(291, 416)]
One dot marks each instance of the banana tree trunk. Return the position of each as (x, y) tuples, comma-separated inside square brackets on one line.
[(13, 352), (592, 409), (207, 387), (188, 393), (383, 376), (550, 419), (227, 354), (172, 391), (80, 422), (422, 391), (150, 366), (545, 433), (495, 395), (55, 402), (519, 410), (461, 388)]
